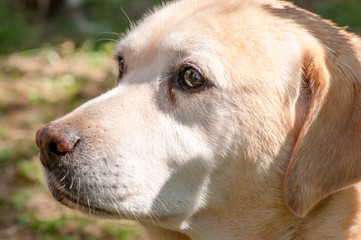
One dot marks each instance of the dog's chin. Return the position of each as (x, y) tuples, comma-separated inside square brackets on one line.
[(77, 200)]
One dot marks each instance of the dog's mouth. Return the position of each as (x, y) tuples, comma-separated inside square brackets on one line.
[(69, 186), (68, 199), (71, 193), (75, 188), (90, 182)]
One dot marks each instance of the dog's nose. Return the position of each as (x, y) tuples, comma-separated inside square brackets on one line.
[(55, 141)]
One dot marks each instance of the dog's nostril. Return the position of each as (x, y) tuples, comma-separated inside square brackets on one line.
[(53, 149)]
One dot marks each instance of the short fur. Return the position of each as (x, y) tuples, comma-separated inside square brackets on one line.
[(271, 150)]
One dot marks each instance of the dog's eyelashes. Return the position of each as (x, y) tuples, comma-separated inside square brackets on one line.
[(121, 67), (190, 78)]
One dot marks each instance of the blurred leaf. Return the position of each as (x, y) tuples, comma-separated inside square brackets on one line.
[(19, 198), (34, 97), (342, 12), (14, 29), (5, 154), (29, 170), (108, 48), (120, 233), (2, 202)]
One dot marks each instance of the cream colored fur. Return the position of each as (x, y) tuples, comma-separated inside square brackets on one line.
[(271, 151)]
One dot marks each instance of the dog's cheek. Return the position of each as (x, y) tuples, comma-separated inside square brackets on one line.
[(147, 160)]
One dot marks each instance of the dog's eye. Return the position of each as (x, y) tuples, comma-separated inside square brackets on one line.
[(121, 66), (191, 78)]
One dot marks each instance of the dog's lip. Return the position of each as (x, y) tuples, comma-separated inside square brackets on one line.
[(68, 199), (71, 200), (43, 160)]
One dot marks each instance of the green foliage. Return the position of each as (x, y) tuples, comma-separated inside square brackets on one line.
[(5, 154), (14, 31), (19, 198), (94, 23), (29, 171), (344, 13)]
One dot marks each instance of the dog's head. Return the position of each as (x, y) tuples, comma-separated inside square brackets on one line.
[(216, 103)]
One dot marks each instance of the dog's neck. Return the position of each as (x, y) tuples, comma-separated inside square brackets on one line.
[(327, 221), (156, 233), (264, 215)]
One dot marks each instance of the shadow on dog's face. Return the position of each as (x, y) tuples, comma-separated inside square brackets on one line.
[(205, 114), (191, 106)]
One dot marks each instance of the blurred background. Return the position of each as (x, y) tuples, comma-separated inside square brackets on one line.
[(55, 55)]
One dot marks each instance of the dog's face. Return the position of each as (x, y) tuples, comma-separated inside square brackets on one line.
[(197, 92), (208, 107)]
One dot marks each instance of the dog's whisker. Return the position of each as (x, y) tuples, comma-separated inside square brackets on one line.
[(151, 218), (153, 215), (114, 201), (106, 39), (126, 15), (101, 188), (100, 191), (125, 213), (61, 187), (134, 215), (165, 208), (78, 199), (90, 211), (71, 185), (114, 33), (64, 176)]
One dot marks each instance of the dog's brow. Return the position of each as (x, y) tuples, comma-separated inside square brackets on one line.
[(121, 48), (116, 56)]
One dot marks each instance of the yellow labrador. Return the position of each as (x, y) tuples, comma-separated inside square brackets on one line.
[(230, 120)]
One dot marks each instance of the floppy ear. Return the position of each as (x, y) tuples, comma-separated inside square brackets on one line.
[(327, 154)]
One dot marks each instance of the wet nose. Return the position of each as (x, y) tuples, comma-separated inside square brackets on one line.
[(55, 141)]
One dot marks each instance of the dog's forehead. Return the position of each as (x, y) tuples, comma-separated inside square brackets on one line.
[(186, 23), (179, 39), (165, 27), (214, 36)]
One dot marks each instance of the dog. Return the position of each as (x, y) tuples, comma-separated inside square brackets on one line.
[(229, 120)]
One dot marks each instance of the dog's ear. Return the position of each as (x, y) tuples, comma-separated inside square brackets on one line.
[(327, 154)]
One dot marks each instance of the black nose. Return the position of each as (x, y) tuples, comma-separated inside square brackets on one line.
[(55, 141)]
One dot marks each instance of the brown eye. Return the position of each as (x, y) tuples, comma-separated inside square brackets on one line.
[(191, 78), (121, 67)]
